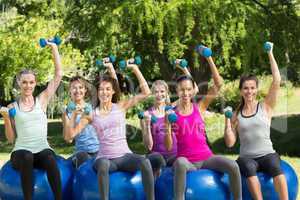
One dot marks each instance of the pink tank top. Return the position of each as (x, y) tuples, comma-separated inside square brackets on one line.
[(191, 138), (111, 131)]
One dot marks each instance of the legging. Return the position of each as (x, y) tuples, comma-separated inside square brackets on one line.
[(80, 157), (130, 162), (24, 161), (218, 163)]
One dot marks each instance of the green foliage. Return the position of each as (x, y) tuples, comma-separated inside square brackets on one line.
[(230, 94), (19, 49)]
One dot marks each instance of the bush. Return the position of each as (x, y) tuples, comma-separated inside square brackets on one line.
[(230, 95)]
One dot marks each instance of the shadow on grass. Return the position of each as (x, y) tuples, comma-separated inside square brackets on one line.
[(284, 135)]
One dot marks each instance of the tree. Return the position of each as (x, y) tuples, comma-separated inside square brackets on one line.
[(19, 49)]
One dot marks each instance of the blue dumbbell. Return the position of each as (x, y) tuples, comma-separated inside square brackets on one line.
[(99, 63), (141, 115), (87, 109), (12, 112), (56, 40), (228, 112), (203, 51), (123, 64), (172, 117), (268, 46), (72, 106), (182, 63)]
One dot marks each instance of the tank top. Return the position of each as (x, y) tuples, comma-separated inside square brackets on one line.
[(111, 131), (158, 132), (31, 129), (254, 134), (191, 137), (86, 140)]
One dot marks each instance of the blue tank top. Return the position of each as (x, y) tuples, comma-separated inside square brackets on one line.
[(86, 140)]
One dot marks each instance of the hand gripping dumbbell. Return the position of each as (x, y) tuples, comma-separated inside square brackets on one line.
[(109, 59), (136, 60), (203, 51), (56, 40), (268, 46), (87, 109), (172, 117), (141, 115), (228, 112), (183, 63)]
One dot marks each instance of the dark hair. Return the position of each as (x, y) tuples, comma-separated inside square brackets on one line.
[(115, 86), (243, 79), (185, 77), (84, 82)]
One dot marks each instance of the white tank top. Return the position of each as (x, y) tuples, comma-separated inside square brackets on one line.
[(31, 129)]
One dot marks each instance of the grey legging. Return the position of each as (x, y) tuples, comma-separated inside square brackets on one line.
[(218, 163), (130, 162)]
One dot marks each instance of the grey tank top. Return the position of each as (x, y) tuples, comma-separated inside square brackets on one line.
[(254, 134)]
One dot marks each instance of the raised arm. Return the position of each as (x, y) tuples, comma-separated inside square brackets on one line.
[(110, 68), (271, 98), (214, 89), (145, 90), (8, 124), (46, 95), (186, 72), (146, 131)]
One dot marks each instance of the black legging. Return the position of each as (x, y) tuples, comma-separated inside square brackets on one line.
[(24, 161)]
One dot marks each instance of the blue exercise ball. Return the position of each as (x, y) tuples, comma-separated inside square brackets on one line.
[(201, 184), (267, 186), (122, 185), (10, 182), (207, 184)]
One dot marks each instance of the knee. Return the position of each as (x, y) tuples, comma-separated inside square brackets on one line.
[(102, 166), (145, 165), (157, 160), (179, 164), (234, 167)]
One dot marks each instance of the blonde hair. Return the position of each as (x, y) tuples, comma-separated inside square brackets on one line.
[(165, 85)]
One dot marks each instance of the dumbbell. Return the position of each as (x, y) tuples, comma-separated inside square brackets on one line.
[(99, 63), (172, 117), (141, 115), (182, 63), (136, 60), (268, 46), (56, 40), (87, 109), (203, 51), (228, 112)]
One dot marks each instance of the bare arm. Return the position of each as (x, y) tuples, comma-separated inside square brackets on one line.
[(214, 90), (146, 131), (145, 90), (46, 95), (168, 137), (271, 98), (187, 73), (8, 124), (230, 133), (110, 68), (70, 130)]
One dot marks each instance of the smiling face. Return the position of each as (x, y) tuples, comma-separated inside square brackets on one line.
[(77, 90), (160, 93), (105, 92), (185, 90), (27, 83), (249, 90)]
